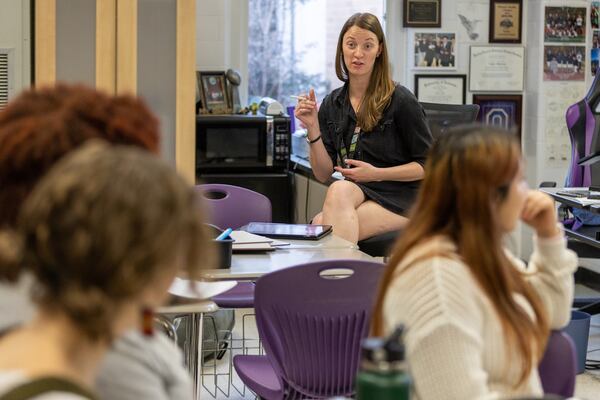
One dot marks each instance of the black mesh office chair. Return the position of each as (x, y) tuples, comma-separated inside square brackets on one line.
[(440, 117)]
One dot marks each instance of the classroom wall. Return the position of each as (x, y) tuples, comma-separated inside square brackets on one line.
[(15, 34), (221, 38)]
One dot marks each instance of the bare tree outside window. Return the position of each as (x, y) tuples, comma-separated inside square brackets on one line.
[(291, 45)]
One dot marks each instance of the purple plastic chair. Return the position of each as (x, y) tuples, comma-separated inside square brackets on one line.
[(231, 206), (311, 327), (558, 367)]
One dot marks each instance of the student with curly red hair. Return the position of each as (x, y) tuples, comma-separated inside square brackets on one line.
[(37, 129)]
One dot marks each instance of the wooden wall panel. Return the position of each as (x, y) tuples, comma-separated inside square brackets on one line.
[(126, 77), (45, 42), (185, 119), (106, 45)]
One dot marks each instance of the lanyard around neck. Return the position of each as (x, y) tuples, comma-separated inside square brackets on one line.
[(348, 153)]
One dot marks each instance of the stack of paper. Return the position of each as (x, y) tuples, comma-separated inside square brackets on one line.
[(245, 241)]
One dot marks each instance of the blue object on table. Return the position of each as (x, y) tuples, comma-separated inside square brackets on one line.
[(225, 234)]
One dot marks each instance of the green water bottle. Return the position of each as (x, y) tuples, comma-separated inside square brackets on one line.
[(383, 373)]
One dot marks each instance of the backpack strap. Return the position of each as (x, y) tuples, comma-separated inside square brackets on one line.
[(45, 385)]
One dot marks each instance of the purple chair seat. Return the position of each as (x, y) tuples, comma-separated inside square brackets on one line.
[(240, 296), (311, 326), (558, 367), (258, 369)]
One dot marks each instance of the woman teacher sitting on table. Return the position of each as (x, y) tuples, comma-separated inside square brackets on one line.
[(371, 131)]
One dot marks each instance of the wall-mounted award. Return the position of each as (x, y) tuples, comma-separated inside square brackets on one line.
[(422, 13), (506, 18)]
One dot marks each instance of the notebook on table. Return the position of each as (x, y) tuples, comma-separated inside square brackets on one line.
[(289, 231)]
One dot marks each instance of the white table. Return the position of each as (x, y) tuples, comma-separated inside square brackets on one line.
[(253, 265)]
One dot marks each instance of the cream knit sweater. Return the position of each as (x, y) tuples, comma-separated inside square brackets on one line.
[(454, 341)]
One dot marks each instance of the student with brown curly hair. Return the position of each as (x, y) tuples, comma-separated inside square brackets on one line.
[(103, 234), (477, 318), (38, 128)]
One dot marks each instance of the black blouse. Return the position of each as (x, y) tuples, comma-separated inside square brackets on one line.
[(401, 136)]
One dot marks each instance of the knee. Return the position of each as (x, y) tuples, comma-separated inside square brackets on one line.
[(339, 194), (318, 219)]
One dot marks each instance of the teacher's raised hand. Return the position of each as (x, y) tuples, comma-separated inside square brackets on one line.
[(306, 110)]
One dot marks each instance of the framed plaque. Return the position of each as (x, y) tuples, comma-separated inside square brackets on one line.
[(496, 68), (506, 17), (212, 87), (422, 13), (441, 89), (502, 110)]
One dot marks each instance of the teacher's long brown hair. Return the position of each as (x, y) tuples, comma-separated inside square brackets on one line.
[(381, 87), (468, 174)]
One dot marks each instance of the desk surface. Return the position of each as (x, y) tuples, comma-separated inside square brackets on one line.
[(254, 265), (570, 201), (585, 234)]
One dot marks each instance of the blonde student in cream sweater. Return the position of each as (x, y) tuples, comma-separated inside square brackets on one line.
[(477, 317)]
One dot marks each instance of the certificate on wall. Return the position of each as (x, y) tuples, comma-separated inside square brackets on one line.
[(441, 89), (496, 68)]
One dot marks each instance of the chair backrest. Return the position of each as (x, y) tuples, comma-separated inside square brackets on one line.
[(231, 206), (558, 367), (440, 117), (582, 127), (312, 326)]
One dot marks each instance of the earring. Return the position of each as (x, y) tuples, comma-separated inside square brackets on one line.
[(147, 321)]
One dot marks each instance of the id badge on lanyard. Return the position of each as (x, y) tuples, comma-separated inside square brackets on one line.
[(349, 153)]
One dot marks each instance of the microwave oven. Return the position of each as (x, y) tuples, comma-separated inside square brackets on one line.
[(242, 143)]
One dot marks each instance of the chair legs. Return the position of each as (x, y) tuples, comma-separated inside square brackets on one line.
[(206, 374), (217, 354)]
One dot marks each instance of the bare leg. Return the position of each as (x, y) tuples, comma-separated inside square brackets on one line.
[(373, 219), (339, 209), (318, 219)]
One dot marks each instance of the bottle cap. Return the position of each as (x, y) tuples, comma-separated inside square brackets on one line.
[(388, 350)]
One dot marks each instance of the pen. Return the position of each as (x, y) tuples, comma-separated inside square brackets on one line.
[(225, 234), (298, 97)]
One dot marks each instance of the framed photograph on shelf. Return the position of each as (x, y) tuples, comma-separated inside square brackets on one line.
[(435, 50), (496, 68), (214, 98), (441, 89), (506, 20), (501, 110), (564, 24), (422, 14)]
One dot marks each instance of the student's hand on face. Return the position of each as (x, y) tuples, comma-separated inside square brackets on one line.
[(306, 110), (360, 171), (539, 212)]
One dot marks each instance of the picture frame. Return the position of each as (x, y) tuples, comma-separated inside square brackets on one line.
[(441, 89), (501, 110), (564, 63), (214, 93), (564, 25), (435, 50), (506, 21), (496, 68), (422, 14)]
